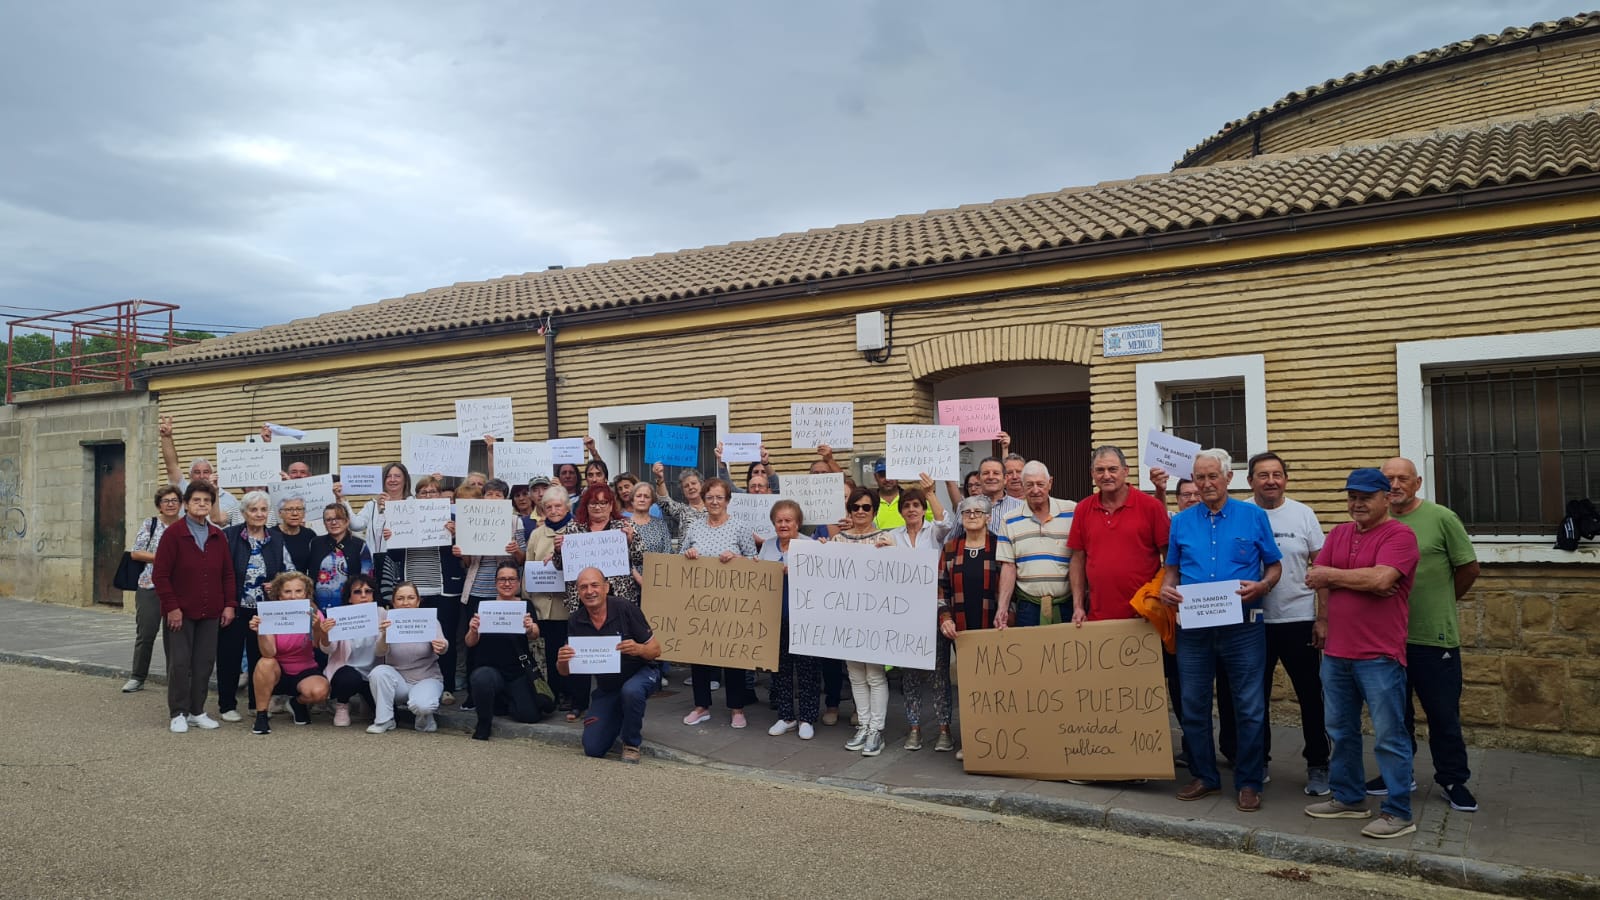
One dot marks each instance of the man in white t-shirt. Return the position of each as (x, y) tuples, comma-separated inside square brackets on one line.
[(227, 505)]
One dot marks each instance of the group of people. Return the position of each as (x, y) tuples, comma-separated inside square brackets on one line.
[(1363, 615)]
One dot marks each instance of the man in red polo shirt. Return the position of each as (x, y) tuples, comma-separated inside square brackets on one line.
[(1118, 541)]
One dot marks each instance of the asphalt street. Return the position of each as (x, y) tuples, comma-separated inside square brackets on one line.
[(98, 799)]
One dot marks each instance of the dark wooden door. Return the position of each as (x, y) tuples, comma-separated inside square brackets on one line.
[(1055, 431), (110, 520)]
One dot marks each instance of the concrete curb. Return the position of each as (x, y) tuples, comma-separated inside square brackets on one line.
[(1458, 872)]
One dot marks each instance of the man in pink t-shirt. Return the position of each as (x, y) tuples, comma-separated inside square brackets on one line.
[(1367, 567)]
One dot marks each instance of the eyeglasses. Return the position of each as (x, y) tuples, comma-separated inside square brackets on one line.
[(973, 512), (861, 507), (360, 590), (508, 578), (599, 502), (715, 498), (171, 499)]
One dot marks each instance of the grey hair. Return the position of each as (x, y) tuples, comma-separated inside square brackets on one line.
[(687, 474), (287, 500), (1016, 456), (981, 504), (1035, 468), (1222, 457), (1111, 450), (554, 492), (197, 461), (251, 498)]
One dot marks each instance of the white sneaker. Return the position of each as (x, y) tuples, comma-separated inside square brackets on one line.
[(232, 715), (716, 685), (807, 732), (380, 727), (132, 684), (426, 724), (180, 724), (782, 726), (204, 721), (278, 704)]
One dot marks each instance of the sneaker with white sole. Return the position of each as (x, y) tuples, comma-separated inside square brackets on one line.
[(1376, 787), (807, 731), (913, 739), (180, 723), (302, 713), (782, 726), (262, 726), (204, 721), (426, 724), (380, 727), (232, 715), (1460, 798), (341, 715), (1317, 781), (874, 743), (859, 740), (945, 744), (1335, 809), (716, 685), (1387, 826), (133, 685)]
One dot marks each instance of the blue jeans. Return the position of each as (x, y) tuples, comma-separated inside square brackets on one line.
[(1242, 649), (1381, 683), (619, 713), (1024, 615)]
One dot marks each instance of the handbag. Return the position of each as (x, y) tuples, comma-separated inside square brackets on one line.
[(544, 697), (129, 569)]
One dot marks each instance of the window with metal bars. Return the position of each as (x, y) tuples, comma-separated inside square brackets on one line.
[(631, 439), (1211, 415), (1512, 445)]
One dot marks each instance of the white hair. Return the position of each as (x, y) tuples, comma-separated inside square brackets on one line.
[(554, 492), (1221, 456), (1035, 468), (251, 498)]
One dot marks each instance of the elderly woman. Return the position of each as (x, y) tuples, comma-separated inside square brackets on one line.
[(410, 673), (681, 514), (787, 519), (287, 665), (350, 662), (550, 609), (336, 556), (193, 575), (146, 605), (499, 682), (869, 682), (968, 580), (259, 555), (597, 511), (719, 536), (396, 486), (653, 534)]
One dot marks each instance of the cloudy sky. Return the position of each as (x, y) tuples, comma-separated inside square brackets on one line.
[(256, 162)]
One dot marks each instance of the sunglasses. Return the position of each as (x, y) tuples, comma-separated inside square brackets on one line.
[(861, 507), (360, 590)]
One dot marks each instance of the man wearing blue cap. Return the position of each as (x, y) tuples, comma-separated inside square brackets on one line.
[(1367, 566)]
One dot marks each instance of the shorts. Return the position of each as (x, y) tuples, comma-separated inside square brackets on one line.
[(289, 685)]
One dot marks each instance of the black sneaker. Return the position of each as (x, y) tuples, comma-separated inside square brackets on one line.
[(1376, 787), (1460, 798), (302, 713), (468, 706), (481, 733), (262, 726)]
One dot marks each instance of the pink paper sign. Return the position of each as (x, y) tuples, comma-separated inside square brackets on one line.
[(978, 418)]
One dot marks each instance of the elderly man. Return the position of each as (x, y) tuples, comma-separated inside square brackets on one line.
[(1446, 571), (616, 706), (1118, 540), (1366, 570), (1223, 539), (1033, 555), (227, 506)]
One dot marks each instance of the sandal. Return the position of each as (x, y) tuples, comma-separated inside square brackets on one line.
[(574, 715)]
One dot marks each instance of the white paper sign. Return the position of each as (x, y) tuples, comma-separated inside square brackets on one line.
[(284, 616), (595, 655), (501, 616), (741, 448), (412, 626), (248, 464), (605, 550), (821, 497), (354, 621), (1164, 451), (863, 603), (429, 453), (517, 461), (811, 424), (286, 431), (910, 450), (566, 450), (476, 418), (360, 481), (542, 578), (484, 527), (315, 491), (1210, 604), (754, 511), (416, 523)]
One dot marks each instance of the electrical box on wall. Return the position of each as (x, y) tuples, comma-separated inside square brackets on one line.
[(869, 331)]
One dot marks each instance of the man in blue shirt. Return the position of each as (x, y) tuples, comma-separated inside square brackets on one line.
[(1222, 539)]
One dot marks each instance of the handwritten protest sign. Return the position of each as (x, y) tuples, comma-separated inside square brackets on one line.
[(491, 415), (354, 621), (863, 603), (315, 491), (741, 448), (821, 497), (754, 511), (1210, 604), (484, 527), (429, 453), (1164, 451), (605, 550), (595, 655), (416, 523), (412, 626), (675, 445), (284, 616), (811, 424), (248, 464), (1062, 701), (910, 450), (542, 578), (978, 418), (361, 480), (566, 450), (704, 611), (517, 461), (501, 616)]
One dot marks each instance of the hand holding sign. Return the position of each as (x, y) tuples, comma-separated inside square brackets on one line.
[(417, 625), (486, 416), (741, 448), (1174, 454), (978, 418), (595, 655), (1210, 604), (675, 445)]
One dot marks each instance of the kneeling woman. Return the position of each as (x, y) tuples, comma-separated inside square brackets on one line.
[(411, 671), (499, 680), (286, 665), (349, 662)]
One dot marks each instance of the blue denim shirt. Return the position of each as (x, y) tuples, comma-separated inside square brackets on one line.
[(1235, 542)]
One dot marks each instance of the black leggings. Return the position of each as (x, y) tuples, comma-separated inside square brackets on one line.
[(503, 691), (449, 619), (348, 682), (232, 641)]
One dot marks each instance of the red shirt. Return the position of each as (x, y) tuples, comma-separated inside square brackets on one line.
[(1122, 547), (1363, 625)]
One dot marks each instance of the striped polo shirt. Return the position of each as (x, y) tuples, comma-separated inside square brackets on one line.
[(1039, 549)]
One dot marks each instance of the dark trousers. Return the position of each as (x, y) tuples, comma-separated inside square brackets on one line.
[(502, 692), (1169, 665), (732, 682), (554, 632), (348, 682), (620, 713), (236, 642), (467, 612), (146, 626), (449, 620), (191, 654), (1290, 644), (832, 682), (1433, 677)]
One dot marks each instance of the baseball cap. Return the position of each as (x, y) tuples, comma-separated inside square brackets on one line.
[(880, 467), (539, 481), (1367, 481)]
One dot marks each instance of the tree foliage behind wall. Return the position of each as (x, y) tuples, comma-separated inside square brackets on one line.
[(37, 348)]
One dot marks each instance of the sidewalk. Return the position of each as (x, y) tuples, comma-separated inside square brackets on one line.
[(1537, 832)]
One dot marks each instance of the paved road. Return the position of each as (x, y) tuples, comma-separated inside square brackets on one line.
[(97, 798)]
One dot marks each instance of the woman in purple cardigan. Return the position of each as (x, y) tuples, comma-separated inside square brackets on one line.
[(193, 575)]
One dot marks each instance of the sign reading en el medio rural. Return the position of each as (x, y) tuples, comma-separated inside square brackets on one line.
[(1060, 701), (714, 613)]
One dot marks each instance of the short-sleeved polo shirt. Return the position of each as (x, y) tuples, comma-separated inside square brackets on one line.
[(1038, 549), (624, 621), (1363, 625), (1233, 542), (1122, 550)]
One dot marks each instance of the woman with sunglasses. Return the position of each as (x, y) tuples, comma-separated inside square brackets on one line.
[(146, 604), (350, 662), (869, 682), (719, 536), (597, 511)]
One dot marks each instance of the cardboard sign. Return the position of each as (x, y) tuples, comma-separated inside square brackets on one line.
[(754, 511), (863, 603), (595, 655), (428, 453), (315, 491), (741, 448), (714, 613), (517, 461), (566, 450), (978, 419), (354, 621), (1210, 604), (821, 497), (491, 416), (910, 450), (284, 616), (811, 424), (247, 464), (1163, 451), (542, 578), (1060, 701), (416, 523), (412, 626), (605, 550), (501, 616), (484, 527), (361, 480), (674, 445)]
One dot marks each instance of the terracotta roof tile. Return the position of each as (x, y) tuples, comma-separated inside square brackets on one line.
[(1462, 158)]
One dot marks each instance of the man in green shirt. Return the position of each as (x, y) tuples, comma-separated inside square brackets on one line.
[(1447, 569)]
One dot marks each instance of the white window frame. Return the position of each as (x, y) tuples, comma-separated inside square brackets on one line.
[(1155, 379), (329, 436), (1414, 358), (603, 420)]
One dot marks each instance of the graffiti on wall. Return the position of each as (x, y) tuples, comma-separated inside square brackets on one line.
[(14, 520)]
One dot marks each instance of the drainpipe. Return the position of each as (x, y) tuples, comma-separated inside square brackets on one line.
[(552, 409)]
